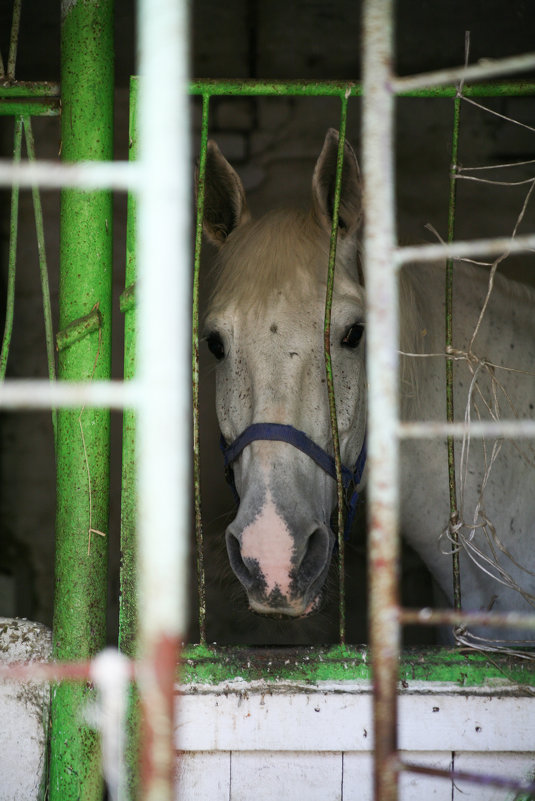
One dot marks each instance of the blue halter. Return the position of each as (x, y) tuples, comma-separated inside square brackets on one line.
[(285, 433)]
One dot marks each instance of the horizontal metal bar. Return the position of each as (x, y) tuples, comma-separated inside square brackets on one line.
[(479, 429), (84, 670), (51, 671), (509, 89), (43, 671), (47, 107), (121, 175), (464, 248), (255, 88), (477, 778), (30, 89), (124, 175), (260, 88), (434, 617), (45, 90), (486, 69), (29, 394), (34, 103)]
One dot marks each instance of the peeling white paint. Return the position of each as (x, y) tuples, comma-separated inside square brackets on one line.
[(24, 711)]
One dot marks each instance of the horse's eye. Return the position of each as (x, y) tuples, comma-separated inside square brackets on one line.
[(353, 336), (215, 345)]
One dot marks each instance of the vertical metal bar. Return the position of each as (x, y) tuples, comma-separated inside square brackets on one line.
[(14, 40), (128, 612), (199, 540), (43, 268), (382, 336), (329, 371), (127, 602), (164, 372), (450, 411), (12, 264), (83, 435)]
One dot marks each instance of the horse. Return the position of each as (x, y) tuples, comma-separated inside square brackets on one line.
[(264, 327)]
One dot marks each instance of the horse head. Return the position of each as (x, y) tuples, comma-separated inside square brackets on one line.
[(264, 326)]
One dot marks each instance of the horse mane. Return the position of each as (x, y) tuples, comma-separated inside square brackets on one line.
[(285, 250)]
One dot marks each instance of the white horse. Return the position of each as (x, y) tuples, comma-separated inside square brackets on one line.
[(264, 325)]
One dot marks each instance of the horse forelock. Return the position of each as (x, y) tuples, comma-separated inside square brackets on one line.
[(283, 251)]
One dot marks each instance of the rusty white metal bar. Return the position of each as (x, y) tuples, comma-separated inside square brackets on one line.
[(485, 69), (460, 249), (50, 671), (431, 617), (120, 175), (382, 350), (164, 426), (382, 259), (515, 429), (43, 394)]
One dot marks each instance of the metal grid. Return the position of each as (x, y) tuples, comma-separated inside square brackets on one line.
[(383, 257), (163, 451)]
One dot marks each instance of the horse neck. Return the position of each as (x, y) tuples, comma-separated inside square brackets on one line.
[(421, 330)]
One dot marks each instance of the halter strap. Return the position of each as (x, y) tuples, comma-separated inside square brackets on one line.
[(280, 432)]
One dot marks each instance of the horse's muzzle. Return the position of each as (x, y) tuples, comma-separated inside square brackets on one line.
[(288, 589)]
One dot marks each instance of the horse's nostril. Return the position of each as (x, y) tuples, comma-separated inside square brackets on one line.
[(316, 556), (236, 561)]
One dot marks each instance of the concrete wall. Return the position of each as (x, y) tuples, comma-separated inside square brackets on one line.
[(24, 710)]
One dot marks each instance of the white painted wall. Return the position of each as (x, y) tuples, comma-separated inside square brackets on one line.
[(239, 741)]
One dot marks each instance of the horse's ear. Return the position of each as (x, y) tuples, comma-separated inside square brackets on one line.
[(224, 197), (324, 182)]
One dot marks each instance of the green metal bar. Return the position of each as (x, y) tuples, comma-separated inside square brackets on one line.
[(30, 108), (43, 269), (12, 265), (30, 89), (14, 39), (127, 601), (329, 371), (128, 613), (258, 88), (450, 411), (201, 580), (252, 88), (83, 434), (30, 98)]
